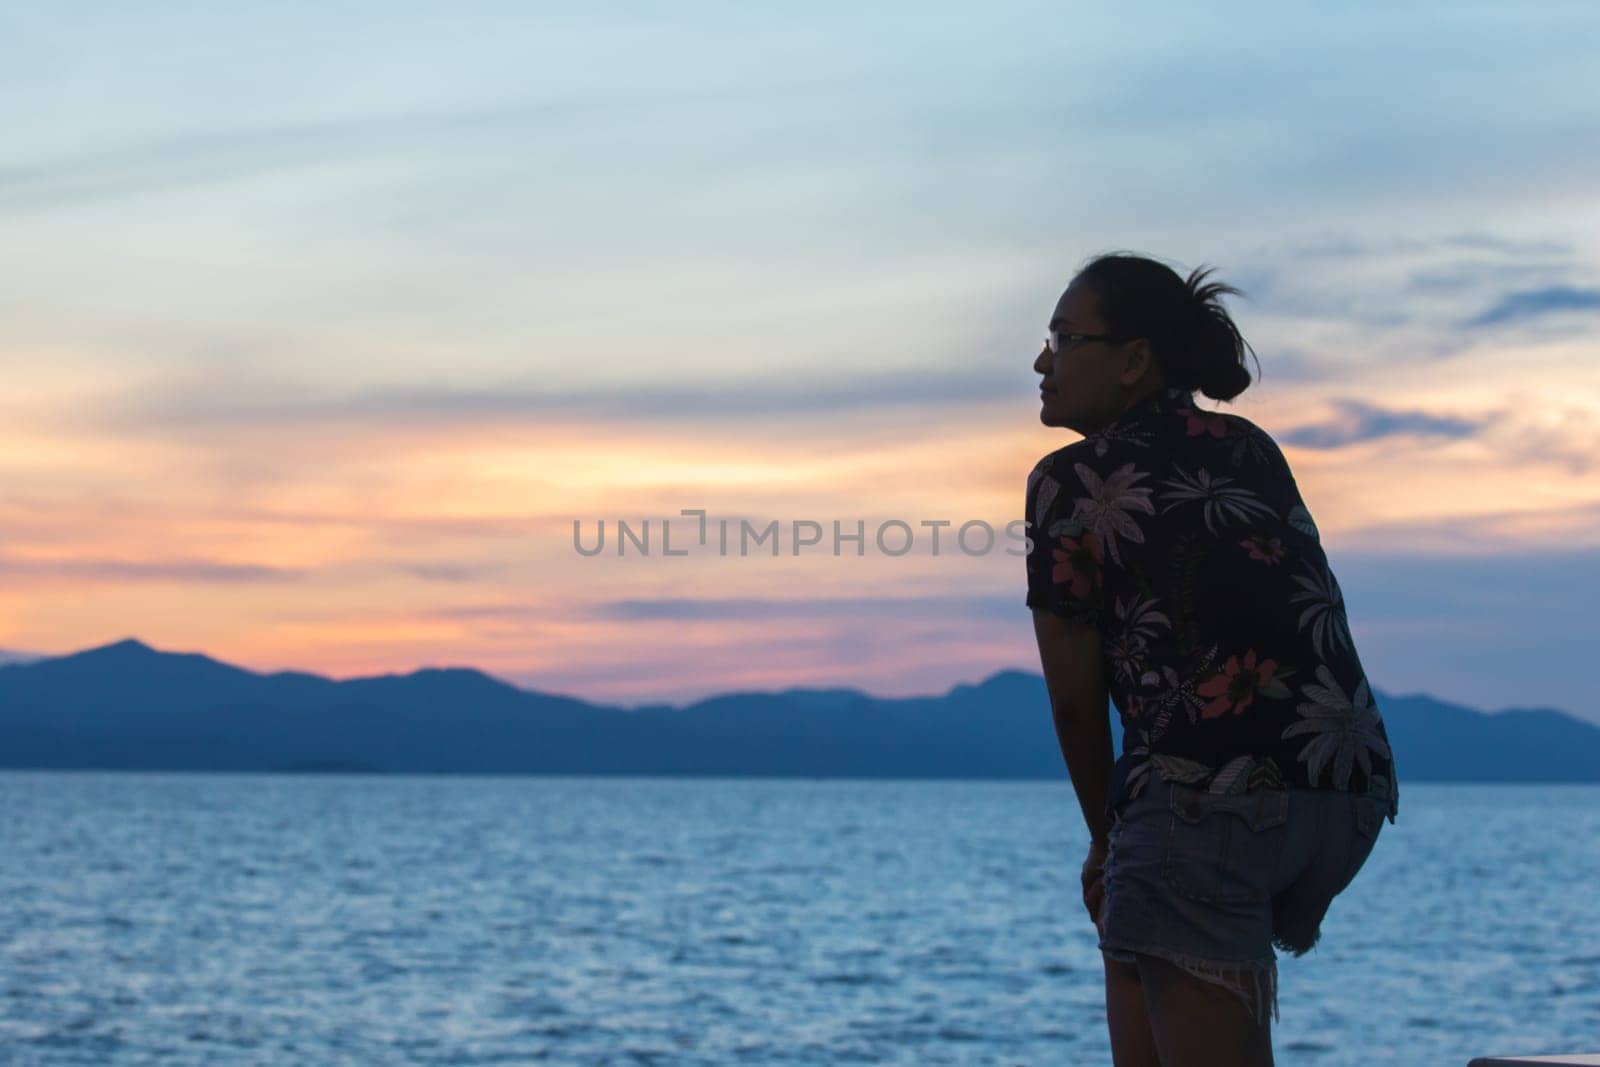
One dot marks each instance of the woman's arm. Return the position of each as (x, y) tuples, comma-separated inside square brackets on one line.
[(1070, 654)]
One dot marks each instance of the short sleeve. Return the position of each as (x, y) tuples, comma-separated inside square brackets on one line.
[(1066, 561)]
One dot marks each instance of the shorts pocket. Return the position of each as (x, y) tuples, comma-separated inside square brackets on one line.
[(1223, 848), (1365, 822), (1369, 815)]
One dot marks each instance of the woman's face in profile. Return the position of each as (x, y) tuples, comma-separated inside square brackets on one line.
[(1079, 389)]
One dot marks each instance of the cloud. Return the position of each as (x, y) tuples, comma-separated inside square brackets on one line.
[(1368, 422), (1438, 283), (1364, 249), (765, 609), (242, 404), (1470, 278), (1532, 303), (450, 572), (183, 570), (1290, 364), (1536, 533), (206, 157), (831, 608)]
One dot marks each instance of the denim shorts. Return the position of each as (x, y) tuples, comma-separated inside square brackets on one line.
[(1212, 882)]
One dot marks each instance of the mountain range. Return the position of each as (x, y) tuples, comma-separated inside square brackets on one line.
[(129, 706)]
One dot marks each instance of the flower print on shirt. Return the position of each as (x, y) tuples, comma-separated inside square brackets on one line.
[(1263, 547), (1197, 422), (1077, 564), (1066, 560), (1234, 687)]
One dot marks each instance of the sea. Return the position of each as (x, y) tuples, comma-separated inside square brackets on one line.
[(179, 918)]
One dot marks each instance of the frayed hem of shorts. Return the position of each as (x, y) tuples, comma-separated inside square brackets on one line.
[(1294, 938), (1254, 982), (1296, 947)]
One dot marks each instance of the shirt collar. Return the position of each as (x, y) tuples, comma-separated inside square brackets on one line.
[(1166, 399)]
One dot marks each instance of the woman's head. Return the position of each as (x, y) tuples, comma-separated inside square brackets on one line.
[(1127, 326)]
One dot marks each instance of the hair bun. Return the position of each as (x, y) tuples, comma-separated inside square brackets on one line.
[(1193, 338), (1224, 381)]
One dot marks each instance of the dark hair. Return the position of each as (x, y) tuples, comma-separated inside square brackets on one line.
[(1192, 337)]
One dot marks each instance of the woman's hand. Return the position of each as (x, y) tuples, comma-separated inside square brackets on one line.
[(1094, 892)]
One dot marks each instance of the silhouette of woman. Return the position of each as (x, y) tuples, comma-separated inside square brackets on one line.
[(1174, 568)]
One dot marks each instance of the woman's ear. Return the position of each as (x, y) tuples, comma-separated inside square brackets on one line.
[(1139, 360)]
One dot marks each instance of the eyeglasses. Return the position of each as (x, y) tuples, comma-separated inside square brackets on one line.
[(1055, 341)]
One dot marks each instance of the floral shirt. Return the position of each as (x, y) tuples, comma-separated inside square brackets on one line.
[(1181, 535)]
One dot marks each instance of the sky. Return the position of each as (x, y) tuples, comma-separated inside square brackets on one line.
[(321, 325)]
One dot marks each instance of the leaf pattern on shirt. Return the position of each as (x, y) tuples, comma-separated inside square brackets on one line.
[(1180, 769), (1136, 623), (1239, 775), (1043, 490), (1106, 510), (1301, 520), (1345, 729), (1138, 775), (1103, 440), (1186, 563), (1324, 614), (1223, 501), (1233, 776), (1180, 694), (1252, 446)]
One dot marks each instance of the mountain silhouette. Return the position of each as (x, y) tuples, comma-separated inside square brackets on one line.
[(128, 706)]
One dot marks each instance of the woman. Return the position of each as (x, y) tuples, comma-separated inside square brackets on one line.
[(1173, 566)]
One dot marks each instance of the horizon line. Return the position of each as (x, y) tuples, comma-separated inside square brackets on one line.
[(33, 658)]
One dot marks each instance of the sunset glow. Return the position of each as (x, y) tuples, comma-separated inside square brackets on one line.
[(316, 369)]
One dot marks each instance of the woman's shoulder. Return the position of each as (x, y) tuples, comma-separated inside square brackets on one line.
[(1067, 454), (1061, 460), (1247, 447), (1066, 473), (1238, 425)]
